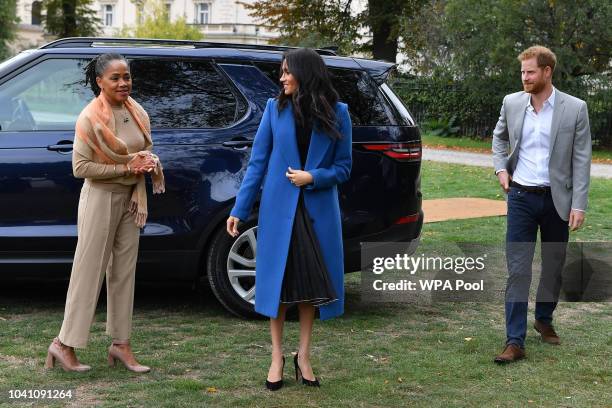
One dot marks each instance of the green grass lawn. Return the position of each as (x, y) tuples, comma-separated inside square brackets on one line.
[(376, 355), (478, 145)]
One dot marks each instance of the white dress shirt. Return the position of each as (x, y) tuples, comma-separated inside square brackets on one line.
[(533, 156)]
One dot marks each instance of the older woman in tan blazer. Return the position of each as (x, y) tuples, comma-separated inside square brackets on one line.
[(112, 152)]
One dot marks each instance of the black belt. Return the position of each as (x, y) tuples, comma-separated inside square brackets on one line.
[(531, 189)]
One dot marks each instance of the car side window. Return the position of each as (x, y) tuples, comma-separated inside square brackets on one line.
[(48, 96), (366, 104), (185, 94), (364, 99)]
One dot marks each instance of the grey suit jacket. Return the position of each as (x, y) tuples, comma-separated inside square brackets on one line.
[(569, 166)]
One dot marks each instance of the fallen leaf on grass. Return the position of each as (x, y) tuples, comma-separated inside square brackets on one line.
[(399, 380), (211, 389), (468, 339)]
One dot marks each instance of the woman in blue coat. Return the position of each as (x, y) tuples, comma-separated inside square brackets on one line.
[(301, 152)]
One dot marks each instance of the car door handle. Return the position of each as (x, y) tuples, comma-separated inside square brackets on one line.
[(238, 144), (62, 147)]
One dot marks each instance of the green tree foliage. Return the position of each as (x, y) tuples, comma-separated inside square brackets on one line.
[(156, 24), (71, 18), (310, 23), (468, 50), (483, 37), (8, 25), (319, 23)]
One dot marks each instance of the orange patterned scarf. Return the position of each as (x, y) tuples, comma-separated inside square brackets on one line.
[(94, 128)]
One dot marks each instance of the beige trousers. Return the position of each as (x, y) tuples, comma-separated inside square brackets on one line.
[(107, 245)]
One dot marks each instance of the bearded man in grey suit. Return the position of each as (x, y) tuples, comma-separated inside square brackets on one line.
[(542, 157)]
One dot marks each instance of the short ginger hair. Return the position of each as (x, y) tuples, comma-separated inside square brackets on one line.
[(544, 56)]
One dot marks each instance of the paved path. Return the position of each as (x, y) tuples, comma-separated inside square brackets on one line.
[(485, 160), (443, 209)]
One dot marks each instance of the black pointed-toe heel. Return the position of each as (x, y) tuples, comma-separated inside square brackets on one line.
[(276, 385), (310, 383)]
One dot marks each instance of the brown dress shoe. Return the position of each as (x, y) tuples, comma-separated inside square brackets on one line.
[(511, 353), (123, 353), (65, 356), (547, 331)]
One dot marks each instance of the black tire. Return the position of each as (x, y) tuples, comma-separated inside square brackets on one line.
[(217, 271)]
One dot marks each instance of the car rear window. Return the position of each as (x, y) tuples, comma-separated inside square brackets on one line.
[(185, 94), (366, 104)]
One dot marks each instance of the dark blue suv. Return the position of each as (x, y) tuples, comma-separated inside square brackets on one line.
[(205, 101)]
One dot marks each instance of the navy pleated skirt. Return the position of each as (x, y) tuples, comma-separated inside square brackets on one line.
[(306, 277)]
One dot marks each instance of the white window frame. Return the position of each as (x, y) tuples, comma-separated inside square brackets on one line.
[(202, 16), (39, 12), (108, 10)]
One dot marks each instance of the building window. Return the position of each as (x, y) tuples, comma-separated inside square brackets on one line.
[(108, 14), (202, 13), (168, 10), (36, 12)]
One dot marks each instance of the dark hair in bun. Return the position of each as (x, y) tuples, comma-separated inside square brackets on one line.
[(96, 68)]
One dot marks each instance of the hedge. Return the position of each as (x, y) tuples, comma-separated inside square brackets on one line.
[(475, 102)]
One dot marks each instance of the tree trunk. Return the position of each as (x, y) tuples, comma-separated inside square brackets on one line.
[(383, 15), (69, 15)]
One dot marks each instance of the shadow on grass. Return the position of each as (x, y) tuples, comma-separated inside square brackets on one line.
[(34, 295), (25, 296)]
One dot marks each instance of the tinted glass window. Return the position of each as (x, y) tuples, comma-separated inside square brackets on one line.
[(366, 104), (364, 100), (271, 70), (48, 96), (185, 94)]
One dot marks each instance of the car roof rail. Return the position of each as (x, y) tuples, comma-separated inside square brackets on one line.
[(90, 42)]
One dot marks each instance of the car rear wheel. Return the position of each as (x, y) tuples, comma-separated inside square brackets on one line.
[(231, 269)]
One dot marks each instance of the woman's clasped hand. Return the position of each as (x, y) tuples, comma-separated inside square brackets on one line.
[(142, 162)]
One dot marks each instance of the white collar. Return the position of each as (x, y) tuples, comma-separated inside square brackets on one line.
[(550, 100)]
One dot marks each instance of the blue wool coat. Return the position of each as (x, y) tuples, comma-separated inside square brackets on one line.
[(329, 161)]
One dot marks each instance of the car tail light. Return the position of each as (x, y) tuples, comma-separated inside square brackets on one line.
[(408, 219), (399, 151)]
